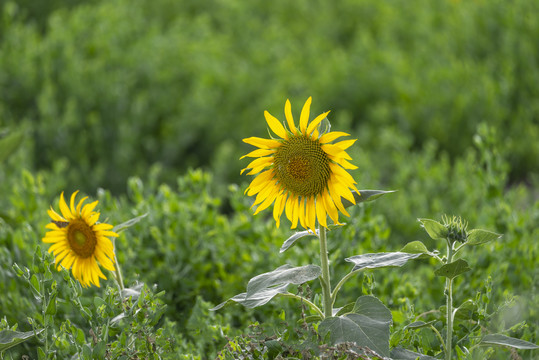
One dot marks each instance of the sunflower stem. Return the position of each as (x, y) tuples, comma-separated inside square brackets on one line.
[(308, 302), (449, 305), (118, 272), (325, 280)]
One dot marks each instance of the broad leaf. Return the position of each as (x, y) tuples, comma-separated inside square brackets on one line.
[(258, 299), (369, 327), (128, 223), (346, 309), (365, 195), (399, 353), (285, 274), (264, 287), (478, 236), (292, 239), (453, 269), (10, 338), (377, 260), (435, 230), (499, 339), (417, 247)]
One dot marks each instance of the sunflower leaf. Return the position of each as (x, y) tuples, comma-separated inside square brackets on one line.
[(478, 237), (264, 287), (499, 339), (367, 326), (10, 338), (365, 195), (128, 223), (292, 239), (377, 260), (453, 269), (435, 230)]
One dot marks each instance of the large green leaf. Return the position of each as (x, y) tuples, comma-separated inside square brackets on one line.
[(365, 195), (453, 269), (264, 287), (128, 223), (478, 236), (399, 353), (499, 339), (285, 274), (258, 299), (292, 239), (435, 230), (368, 326), (10, 338), (377, 260)]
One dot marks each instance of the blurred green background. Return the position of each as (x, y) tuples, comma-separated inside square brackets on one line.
[(149, 100)]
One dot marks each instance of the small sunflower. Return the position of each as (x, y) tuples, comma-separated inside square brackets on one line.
[(79, 241), (303, 172)]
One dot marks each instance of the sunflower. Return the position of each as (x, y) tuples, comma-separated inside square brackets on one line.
[(302, 172), (79, 241)]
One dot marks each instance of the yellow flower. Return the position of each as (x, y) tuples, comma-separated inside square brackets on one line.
[(79, 241), (303, 172)]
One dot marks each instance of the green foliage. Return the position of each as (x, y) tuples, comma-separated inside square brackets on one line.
[(180, 82)]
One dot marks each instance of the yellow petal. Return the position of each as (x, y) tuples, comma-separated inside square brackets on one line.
[(304, 117), (321, 211), (337, 188), (279, 207), (263, 161), (269, 200), (259, 153), (54, 215), (330, 207), (72, 202), (315, 122), (311, 214), (301, 213), (275, 125), (345, 144), (262, 195), (87, 209), (64, 208), (79, 205), (102, 226), (345, 164), (289, 118), (107, 233), (332, 149), (259, 182), (337, 200), (295, 212), (262, 143), (330, 136)]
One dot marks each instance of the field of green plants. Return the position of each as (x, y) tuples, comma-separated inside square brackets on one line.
[(142, 105)]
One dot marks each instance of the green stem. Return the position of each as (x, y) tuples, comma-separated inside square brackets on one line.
[(118, 272), (341, 283), (449, 304), (301, 298), (325, 280)]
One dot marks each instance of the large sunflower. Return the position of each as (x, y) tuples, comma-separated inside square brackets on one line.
[(79, 241), (303, 172)]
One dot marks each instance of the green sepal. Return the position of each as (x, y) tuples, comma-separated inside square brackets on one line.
[(453, 269), (435, 230)]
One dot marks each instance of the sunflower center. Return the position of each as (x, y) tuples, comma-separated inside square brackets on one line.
[(81, 238), (301, 166)]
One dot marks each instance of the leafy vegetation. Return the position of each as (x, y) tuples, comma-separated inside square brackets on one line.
[(143, 105)]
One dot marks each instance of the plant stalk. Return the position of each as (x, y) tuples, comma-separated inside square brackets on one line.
[(308, 302), (449, 305), (325, 280), (118, 272)]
